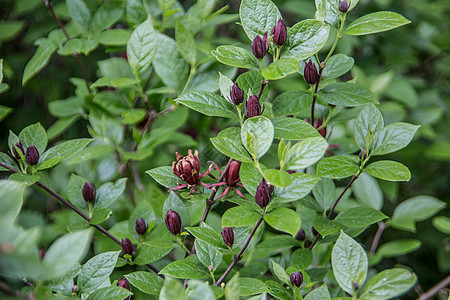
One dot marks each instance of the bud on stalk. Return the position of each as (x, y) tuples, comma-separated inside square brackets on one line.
[(279, 33), (236, 94), (20, 147), (173, 222), (75, 289), (123, 283), (343, 6), (296, 279), (253, 107), (314, 231), (88, 192), (127, 246), (228, 236), (263, 193), (260, 46), (311, 74), (232, 176), (301, 235), (140, 227), (32, 155)]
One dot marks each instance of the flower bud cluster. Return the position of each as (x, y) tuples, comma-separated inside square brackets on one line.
[(260, 45)]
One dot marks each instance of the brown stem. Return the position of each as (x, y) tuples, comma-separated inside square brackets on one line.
[(238, 257), (263, 84), (435, 289), (376, 239), (49, 5)]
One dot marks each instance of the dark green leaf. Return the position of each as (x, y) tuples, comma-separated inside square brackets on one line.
[(80, 13), (280, 68), (360, 217), (280, 272), (277, 178), (26, 179), (301, 258), (368, 122), (106, 15), (376, 22), (189, 268), (320, 293), (185, 43), (258, 16), (34, 135), (393, 137), (398, 247), (239, 216), (208, 254), (146, 254), (96, 270), (164, 176), (141, 47), (301, 185), (346, 94), (257, 135), (325, 226), (236, 57), (39, 60), (305, 153), (291, 103), (209, 104), (172, 289), (208, 235), (337, 65), (389, 170), (110, 293), (293, 129), (78, 45), (108, 192), (251, 286), (146, 282), (400, 281), (337, 167), (62, 152), (284, 219)]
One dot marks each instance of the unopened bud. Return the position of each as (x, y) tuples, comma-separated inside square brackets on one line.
[(32, 155), (314, 231), (253, 107), (75, 289), (301, 235), (260, 46), (311, 74), (88, 192), (228, 236), (343, 6), (127, 246), (42, 254), (20, 147), (123, 283), (173, 222), (263, 193), (322, 131), (355, 286), (362, 155), (296, 278), (279, 33), (141, 227), (236, 94), (232, 176)]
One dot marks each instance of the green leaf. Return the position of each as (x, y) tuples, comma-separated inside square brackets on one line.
[(393, 137), (78, 45), (208, 254), (199, 290), (100, 215), (257, 135), (114, 82), (277, 290), (337, 167), (250, 177), (368, 191), (389, 170), (141, 47), (284, 219), (236, 57), (96, 270), (368, 122), (324, 193), (80, 13), (228, 142), (174, 202), (280, 68), (110, 293), (278, 178), (291, 103), (113, 37), (337, 65), (185, 43), (442, 223), (232, 288), (301, 185), (239, 216), (251, 286), (34, 135), (146, 254), (349, 262), (325, 226), (208, 235), (301, 258), (65, 252), (146, 282), (400, 281), (399, 247), (74, 191), (306, 38), (250, 83), (172, 289), (39, 60), (4, 111), (376, 22), (26, 179), (209, 104), (360, 217), (280, 273), (106, 15), (328, 11), (108, 192), (258, 16), (413, 210), (320, 293), (305, 153), (164, 176), (225, 84), (62, 152), (346, 94), (189, 268)]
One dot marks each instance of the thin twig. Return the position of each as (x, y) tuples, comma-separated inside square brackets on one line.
[(263, 84), (239, 256), (376, 239), (435, 289)]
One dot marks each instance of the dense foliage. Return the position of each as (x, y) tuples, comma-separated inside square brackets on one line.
[(205, 149)]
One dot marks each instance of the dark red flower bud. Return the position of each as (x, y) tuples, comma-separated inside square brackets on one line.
[(279, 33), (253, 107), (20, 147), (343, 6), (228, 236), (311, 74), (88, 192), (123, 283), (263, 193), (232, 177), (314, 231), (141, 227), (173, 222), (127, 246), (32, 155), (362, 155), (75, 289), (322, 131), (42, 254), (301, 235), (236, 94), (355, 286), (260, 46), (187, 167), (296, 278)]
